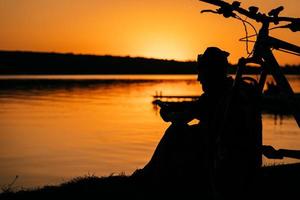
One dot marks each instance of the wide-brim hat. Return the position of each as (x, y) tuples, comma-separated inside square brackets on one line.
[(213, 55)]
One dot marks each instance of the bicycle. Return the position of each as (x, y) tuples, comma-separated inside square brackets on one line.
[(262, 54)]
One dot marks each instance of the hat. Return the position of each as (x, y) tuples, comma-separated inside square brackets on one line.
[(213, 55)]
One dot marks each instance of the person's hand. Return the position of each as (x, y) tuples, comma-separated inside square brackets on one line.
[(175, 117), (160, 103), (168, 114), (271, 153), (165, 114)]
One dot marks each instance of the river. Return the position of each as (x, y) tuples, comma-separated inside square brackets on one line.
[(54, 128)]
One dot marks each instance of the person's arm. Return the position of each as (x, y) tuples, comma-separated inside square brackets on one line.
[(177, 112)]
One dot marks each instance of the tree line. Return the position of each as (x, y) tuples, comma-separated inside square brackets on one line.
[(25, 62)]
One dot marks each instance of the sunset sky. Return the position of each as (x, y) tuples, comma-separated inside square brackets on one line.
[(169, 29)]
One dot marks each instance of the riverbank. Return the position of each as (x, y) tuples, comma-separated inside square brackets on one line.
[(273, 182)]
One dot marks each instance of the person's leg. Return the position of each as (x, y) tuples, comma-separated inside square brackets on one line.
[(180, 152), (179, 162), (165, 156)]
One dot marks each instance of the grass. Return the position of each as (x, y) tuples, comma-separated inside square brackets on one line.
[(272, 182)]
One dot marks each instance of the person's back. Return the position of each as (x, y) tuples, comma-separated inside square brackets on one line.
[(238, 146)]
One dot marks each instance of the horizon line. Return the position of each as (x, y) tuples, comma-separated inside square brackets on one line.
[(112, 55), (94, 54)]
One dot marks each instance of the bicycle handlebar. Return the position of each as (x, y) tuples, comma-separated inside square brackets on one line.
[(227, 10)]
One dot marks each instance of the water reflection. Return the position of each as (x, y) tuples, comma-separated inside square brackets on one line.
[(55, 128)]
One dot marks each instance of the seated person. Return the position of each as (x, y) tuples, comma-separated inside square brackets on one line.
[(186, 154)]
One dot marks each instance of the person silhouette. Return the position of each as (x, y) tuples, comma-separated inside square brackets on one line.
[(203, 149)]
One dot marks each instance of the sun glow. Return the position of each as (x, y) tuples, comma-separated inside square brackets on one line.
[(170, 29), (165, 48)]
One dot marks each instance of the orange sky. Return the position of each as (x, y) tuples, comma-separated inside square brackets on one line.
[(171, 29)]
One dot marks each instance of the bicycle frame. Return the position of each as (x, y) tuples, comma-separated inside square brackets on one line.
[(263, 46), (263, 56)]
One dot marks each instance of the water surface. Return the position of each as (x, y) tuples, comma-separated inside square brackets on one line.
[(54, 128)]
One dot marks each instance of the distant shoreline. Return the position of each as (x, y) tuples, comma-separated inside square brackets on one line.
[(48, 63)]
